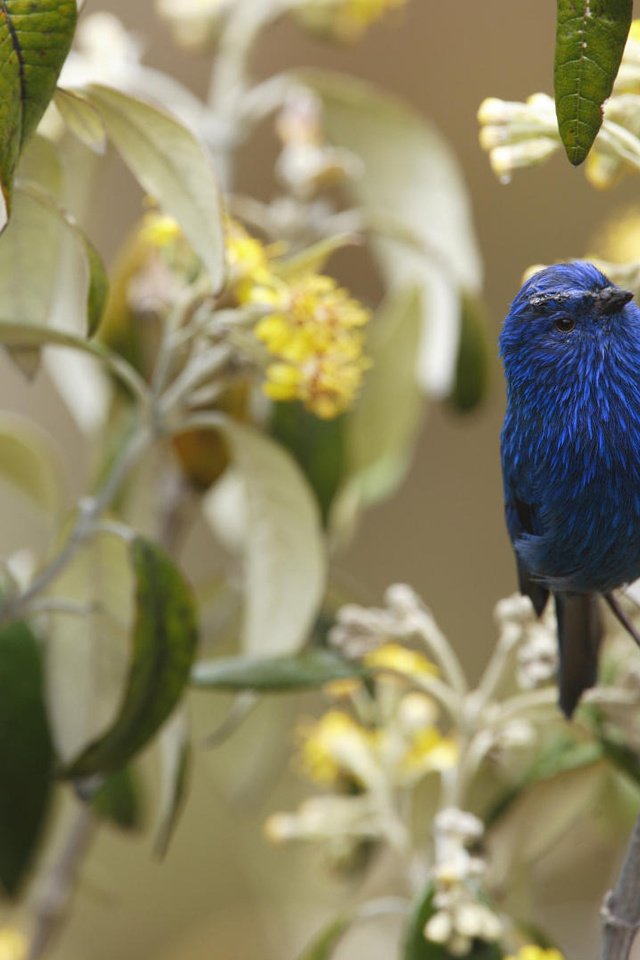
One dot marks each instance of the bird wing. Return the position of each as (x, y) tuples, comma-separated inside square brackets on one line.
[(523, 520)]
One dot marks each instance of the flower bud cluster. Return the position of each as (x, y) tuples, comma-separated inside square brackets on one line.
[(536, 640), (461, 914)]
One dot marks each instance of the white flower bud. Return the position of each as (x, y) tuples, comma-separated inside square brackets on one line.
[(439, 928)]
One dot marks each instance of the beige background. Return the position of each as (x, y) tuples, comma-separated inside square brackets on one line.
[(223, 894)]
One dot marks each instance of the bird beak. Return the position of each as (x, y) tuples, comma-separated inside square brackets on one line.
[(612, 299)]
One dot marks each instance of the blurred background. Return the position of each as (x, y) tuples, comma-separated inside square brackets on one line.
[(223, 893)]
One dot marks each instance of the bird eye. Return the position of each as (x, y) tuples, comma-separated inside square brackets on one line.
[(565, 324)]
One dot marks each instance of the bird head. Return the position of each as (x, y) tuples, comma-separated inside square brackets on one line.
[(563, 311)]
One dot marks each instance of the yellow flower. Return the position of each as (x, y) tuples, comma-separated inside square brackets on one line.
[(429, 750), (532, 952), (346, 20), (314, 335), (335, 746), (393, 656), (247, 260), (159, 230), (311, 327)]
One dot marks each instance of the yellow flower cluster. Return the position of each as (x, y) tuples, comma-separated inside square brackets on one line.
[(336, 747), (345, 20), (311, 328), (532, 952)]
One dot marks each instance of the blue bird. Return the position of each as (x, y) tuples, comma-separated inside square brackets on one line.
[(571, 454)]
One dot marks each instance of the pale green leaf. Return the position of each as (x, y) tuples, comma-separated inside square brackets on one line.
[(540, 816), (175, 759), (29, 462), (82, 119), (171, 166), (412, 191), (87, 654), (97, 283), (380, 435), (285, 557), (30, 250), (35, 38)]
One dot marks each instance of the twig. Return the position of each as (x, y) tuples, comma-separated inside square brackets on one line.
[(621, 908), (60, 882)]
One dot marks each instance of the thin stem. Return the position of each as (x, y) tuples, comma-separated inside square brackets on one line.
[(442, 651), (229, 78), (621, 908), (89, 512), (59, 884)]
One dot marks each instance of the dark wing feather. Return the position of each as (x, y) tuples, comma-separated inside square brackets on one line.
[(524, 519)]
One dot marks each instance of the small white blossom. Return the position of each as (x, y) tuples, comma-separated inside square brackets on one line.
[(459, 823)]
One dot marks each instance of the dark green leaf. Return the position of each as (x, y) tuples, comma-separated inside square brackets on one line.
[(623, 758), (35, 38), (590, 40), (164, 641), (562, 756), (317, 445), (310, 669), (417, 947), (119, 801), (323, 946), (470, 380), (26, 754)]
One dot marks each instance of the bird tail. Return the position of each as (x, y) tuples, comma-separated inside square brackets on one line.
[(579, 636)]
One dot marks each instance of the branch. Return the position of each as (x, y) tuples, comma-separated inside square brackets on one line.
[(621, 908), (59, 884)]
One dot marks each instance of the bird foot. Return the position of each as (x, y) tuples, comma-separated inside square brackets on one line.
[(622, 617)]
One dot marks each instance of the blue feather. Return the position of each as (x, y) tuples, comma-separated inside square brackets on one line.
[(571, 443)]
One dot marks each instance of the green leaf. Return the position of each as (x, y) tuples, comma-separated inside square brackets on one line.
[(30, 250), (171, 166), (164, 642), (29, 462), (97, 284), (413, 196), (35, 38), (82, 119), (309, 669), (537, 817), (417, 947), (590, 40), (285, 554), (176, 767), (317, 446), (323, 946), (380, 435), (625, 759), (26, 754), (118, 801), (470, 383), (562, 755)]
